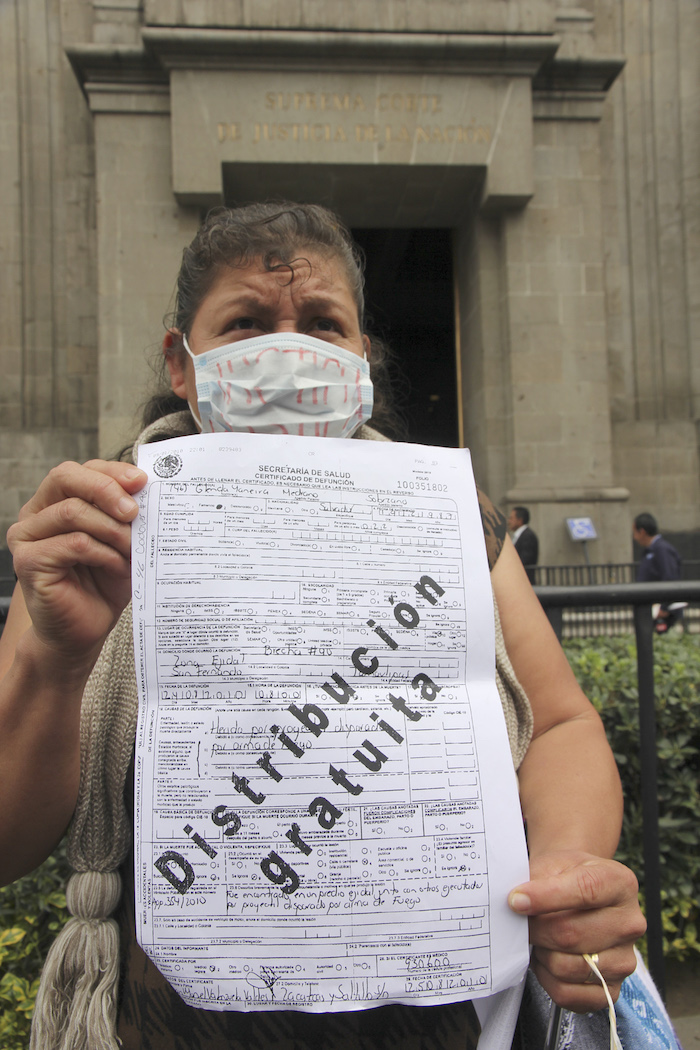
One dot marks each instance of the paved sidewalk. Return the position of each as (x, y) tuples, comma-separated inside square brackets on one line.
[(683, 1001), (688, 1031)]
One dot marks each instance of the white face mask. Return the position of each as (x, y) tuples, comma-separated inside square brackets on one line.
[(282, 384)]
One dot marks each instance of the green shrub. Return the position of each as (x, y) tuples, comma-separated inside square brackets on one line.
[(32, 911), (606, 669)]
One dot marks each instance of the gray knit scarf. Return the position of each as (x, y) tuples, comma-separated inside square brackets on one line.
[(76, 1007)]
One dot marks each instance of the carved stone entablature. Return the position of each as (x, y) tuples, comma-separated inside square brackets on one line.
[(574, 88), (440, 101)]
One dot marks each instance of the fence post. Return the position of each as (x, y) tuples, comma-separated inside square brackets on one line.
[(644, 631)]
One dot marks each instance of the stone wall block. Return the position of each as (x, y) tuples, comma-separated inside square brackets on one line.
[(529, 366), (534, 309), (567, 279), (445, 16), (556, 162)]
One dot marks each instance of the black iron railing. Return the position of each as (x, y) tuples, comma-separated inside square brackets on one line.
[(600, 573), (640, 597)]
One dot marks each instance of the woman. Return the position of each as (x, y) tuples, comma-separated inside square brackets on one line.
[(251, 273)]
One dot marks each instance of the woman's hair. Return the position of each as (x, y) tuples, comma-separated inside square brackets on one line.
[(278, 234)]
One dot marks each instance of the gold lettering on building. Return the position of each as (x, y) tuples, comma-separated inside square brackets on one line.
[(333, 101), (273, 132), (392, 134), (228, 132), (322, 128), (367, 133), (312, 100), (422, 134), (399, 103)]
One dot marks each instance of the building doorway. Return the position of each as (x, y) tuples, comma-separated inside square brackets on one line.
[(410, 304)]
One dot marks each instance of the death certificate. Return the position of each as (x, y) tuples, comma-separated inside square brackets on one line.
[(326, 810)]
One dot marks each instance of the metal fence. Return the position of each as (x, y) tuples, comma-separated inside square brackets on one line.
[(600, 573), (591, 620), (639, 598)]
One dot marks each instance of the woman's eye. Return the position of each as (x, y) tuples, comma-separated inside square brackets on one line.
[(244, 323), (324, 324)]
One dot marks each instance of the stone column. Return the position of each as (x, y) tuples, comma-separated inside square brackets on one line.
[(141, 232), (534, 345), (47, 291)]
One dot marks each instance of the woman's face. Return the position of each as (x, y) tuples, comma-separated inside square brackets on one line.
[(313, 298)]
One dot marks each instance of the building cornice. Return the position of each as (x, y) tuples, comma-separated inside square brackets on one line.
[(124, 76), (165, 49), (574, 88), (115, 64), (535, 494)]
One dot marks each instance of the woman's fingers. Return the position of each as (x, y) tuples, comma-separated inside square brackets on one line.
[(577, 904), (58, 554), (589, 904), (100, 483), (577, 932), (76, 513), (614, 964), (72, 516), (573, 985), (71, 549), (574, 881)]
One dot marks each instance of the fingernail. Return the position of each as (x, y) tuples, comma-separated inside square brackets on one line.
[(126, 505), (519, 902), (134, 472)]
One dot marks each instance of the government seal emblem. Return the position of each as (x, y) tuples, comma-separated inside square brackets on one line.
[(168, 466)]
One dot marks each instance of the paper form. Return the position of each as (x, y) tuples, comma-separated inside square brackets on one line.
[(327, 815)]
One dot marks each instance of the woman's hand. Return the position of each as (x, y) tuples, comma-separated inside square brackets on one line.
[(579, 903), (71, 547), (72, 553)]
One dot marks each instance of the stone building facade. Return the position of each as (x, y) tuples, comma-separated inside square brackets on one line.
[(557, 141)]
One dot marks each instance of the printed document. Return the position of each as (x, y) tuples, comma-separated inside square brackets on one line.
[(326, 810)]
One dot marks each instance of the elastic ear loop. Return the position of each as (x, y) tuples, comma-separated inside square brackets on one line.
[(615, 1043)]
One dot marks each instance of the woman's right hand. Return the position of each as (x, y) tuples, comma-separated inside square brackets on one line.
[(71, 548), (72, 554)]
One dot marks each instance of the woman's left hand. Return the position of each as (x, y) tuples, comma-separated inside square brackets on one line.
[(578, 903)]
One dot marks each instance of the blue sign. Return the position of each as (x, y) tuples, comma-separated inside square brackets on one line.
[(581, 529)]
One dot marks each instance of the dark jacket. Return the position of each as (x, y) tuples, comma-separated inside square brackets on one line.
[(527, 546), (660, 561)]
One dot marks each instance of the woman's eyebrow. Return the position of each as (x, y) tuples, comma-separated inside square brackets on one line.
[(316, 301), (243, 301), (259, 304)]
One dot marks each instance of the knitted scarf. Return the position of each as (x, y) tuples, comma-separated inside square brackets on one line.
[(76, 1006)]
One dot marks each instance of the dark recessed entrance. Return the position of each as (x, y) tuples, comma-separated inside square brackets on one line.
[(410, 304)]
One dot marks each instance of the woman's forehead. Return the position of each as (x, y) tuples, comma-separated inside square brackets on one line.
[(303, 275)]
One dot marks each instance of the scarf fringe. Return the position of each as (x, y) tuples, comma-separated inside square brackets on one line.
[(76, 1008)]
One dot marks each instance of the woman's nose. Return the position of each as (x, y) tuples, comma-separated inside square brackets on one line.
[(287, 325)]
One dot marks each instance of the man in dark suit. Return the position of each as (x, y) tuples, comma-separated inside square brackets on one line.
[(660, 561), (524, 539)]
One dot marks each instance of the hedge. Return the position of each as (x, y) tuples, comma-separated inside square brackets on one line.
[(33, 909), (607, 671)]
